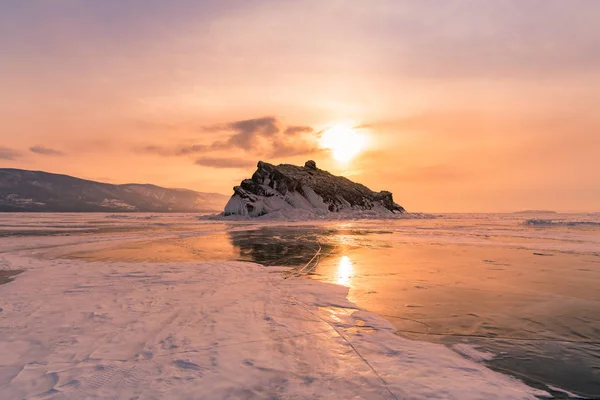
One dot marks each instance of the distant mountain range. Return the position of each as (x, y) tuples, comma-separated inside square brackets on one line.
[(535, 212), (23, 190)]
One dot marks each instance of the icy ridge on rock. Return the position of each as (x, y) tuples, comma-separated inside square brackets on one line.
[(286, 187)]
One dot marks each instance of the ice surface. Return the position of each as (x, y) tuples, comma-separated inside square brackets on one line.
[(211, 330), (571, 395), (472, 353), (552, 222)]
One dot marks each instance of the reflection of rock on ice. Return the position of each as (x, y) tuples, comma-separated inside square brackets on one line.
[(345, 271)]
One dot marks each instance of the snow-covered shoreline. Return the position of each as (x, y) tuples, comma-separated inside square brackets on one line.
[(301, 215), (76, 329)]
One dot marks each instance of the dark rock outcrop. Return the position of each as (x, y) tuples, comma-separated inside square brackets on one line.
[(310, 164), (288, 187)]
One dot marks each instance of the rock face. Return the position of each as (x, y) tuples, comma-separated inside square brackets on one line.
[(285, 187), (22, 190)]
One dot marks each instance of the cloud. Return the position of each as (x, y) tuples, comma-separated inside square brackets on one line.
[(249, 130), (158, 150), (9, 154), (45, 151), (217, 162), (247, 133), (173, 151), (292, 130), (265, 136), (193, 149), (294, 148)]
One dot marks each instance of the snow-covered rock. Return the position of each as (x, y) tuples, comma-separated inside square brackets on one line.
[(289, 189)]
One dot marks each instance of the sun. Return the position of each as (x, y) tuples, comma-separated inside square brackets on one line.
[(344, 142)]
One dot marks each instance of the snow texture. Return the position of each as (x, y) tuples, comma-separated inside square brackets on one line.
[(210, 330)]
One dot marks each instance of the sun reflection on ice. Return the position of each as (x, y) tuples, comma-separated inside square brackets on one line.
[(345, 271)]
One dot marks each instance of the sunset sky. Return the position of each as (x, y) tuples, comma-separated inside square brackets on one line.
[(460, 105)]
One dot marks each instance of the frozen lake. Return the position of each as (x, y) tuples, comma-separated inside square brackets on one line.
[(518, 293)]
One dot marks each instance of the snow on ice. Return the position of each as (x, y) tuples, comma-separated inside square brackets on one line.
[(211, 330)]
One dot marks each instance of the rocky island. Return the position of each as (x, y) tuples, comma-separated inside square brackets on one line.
[(304, 191)]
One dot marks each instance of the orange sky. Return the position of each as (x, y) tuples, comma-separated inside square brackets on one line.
[(468, 106)]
